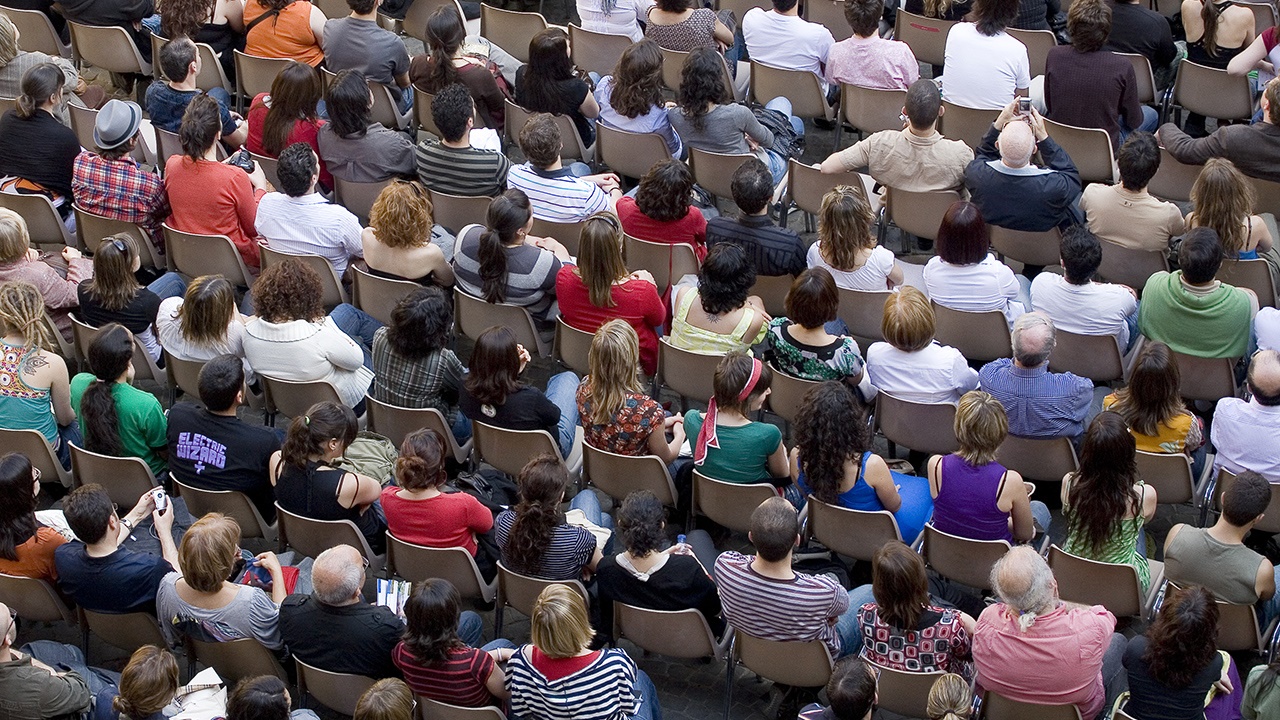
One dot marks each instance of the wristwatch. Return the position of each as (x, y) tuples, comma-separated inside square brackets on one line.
[(125, 522)]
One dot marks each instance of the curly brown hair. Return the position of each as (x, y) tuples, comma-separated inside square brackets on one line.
[(637, 80), (664, 191), (288, 290), (830, 429), (402, 215)]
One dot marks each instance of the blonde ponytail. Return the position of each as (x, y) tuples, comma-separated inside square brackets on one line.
[(950, 698)]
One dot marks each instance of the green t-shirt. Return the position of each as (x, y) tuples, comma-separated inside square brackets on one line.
[(141, 422), (743, 455), (1257, 703), (1213, 325)]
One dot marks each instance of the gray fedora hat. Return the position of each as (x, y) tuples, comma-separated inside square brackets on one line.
[(117, 121)]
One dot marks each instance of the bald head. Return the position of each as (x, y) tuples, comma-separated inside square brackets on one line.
[(338, 575), (1024, 582), (8, 628), (1016, 144), (1264, 377), (1033, 339)]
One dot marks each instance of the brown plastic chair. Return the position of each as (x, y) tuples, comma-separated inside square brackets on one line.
[(871, 110), (567, 234), (1038, 459), (429, 709), (1252, 274), (510, 450), (234, 660), (673, 63), (919, 213), (961, 559), (620, 475), (378, 296), (714, 171), (1028, 248), (927, 37), (232, 503), (807, 185), (211, 73), (688, 374), (627, 153), (254, 75), (772, 291), (1211, 92), (144, 367), (801, 87), (422, 112), (673, 633), (1169, 474), (333, 293), (454, 212), (124, 478), (473, 316), (1114, 586), (167, 145), (37, 32), (521, 592), (194, 255), (268, 165), (34, 599), (337, 691), (1268, 196), (979, 336), (292, 399), (594, 51), (183, 375), (1264, 16), (332, 10), (83, 120), (1096, 357), (853, 533), (91, 229), (1146, 78), (573, 347), (44, 225), (510, 30), (127, 631), (828, 13), (1174, 180), (1039, 43), (1207, 379), (798, 664), (904, 693), (358, 197), (923, 427), (108, 48), (967, 124), (729, 504), (38, 450), (788, 394), (416, 563), (7, 104), (1131, 267), (863, 312), (667, 262), (311, 537), (1090, 150), (395, 422), (998, 707), (415, 18)]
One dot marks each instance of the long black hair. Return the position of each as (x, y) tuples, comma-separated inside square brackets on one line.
[(17, 504), (508, 214), (431, 620), (348, 103), (307, 435), (110, 354), (548, 65), (445, 34)]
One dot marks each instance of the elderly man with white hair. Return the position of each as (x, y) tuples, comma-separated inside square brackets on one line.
[(1039, 403), (1032, 647), (1012, 192)]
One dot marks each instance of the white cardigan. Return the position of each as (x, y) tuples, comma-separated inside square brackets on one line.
[(304, 351)]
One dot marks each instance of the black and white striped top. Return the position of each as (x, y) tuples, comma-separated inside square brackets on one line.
[(603, 690), (570, 550)]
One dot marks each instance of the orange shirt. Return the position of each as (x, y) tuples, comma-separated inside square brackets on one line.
[(213, 198), (35, 556), (288, 35)]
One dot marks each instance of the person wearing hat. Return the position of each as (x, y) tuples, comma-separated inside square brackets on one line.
[(110, 183)]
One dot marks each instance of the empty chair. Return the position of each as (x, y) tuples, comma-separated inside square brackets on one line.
[(337, 691), (927, 37), (925, 428), (1042, 459), (510, 30), (620, 475), (395, 422), (667, 262), (416, 563), (961, 559), (109, 48), (1114, 586), (34, 600), (980, 337), (124, 478), (1096, 357), (1089, 148), (378, 296), (729, 504), (474, 316)]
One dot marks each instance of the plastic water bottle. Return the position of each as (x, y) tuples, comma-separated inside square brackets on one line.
[(680, 539)]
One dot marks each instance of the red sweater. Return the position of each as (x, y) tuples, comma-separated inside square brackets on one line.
[(213, 198), (635, 301), (302, 132), (690, 229)]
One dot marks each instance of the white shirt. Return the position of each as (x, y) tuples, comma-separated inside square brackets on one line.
[(1244, 434), (302, 351), (786, 41), (873, 276), (310, 225), (1089, 309), (934, 375), (983, 71), (169, 333), (1266, 328), (981, 287), (625, 18)]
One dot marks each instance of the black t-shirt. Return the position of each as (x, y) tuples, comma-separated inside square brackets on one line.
[(1150, 699), (138, 316), (1136, 29), (214, 452), (356, 639), (122, 582), (571, 93), (680, 584), (525, 409)]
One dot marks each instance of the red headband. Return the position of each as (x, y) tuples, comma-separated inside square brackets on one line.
[(707, 436)]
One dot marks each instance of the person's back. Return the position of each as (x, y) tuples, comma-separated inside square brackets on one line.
[(779, 38), (985, 66), (298, 220), (867, 60), (1139, 30), (452, 165), (31, 689), (280, 29), (1013, 192), (966, 503), (771, 250), (1126, 214), (34, 146), (357, 43), (1040, 403), (1078, 305)]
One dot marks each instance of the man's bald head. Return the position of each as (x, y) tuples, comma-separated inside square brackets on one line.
[(8, 627), (338, 575), (1264, 377), (1033, 339), (1016, 144), (1023, 581)]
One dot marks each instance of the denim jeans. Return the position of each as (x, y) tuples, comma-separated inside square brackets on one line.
[(847, 626), (562, 391), (461, 428), (1268, 609), (360, 326), (470, 628), (61, 656), (67, 434), (1040, 513), (589, 504), (405, 100), (1150, 121), (776, 162), (649, 708), (1131, 322), (168, 285)]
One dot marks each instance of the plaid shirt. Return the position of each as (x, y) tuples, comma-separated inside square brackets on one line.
[(427, 383), (120, 190)]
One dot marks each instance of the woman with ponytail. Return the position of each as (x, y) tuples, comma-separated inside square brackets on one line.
[(950, 698), (117, 418), (36, 149), (308, 484), (534, 537), (419, 511), (445, 37), (35, 392), (502, 263), (114, 295)]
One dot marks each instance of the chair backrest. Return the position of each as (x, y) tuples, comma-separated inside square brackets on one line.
[(829, 13), (905, 693), (1129, 266), (788, 394), (863, 312), (979, 336), (385, 108), (801, 664), (619, 475), (1096, 357), (236, 660), (515, 118), (44, 226), (801, 87), (232, 503), (1252, 274), (1039, 43), (1089, 148), (674, 633), (521, 591), (311, 537), (729, 504), (871, 110), (1264, 15), (807, 185), (1268, 196), (428, 709), (292, 399), (37, 32), (415, 18), (473, 316), (124, 478), (183, 375), (1114, 586), (509, 450), (667, 261), (964, 123), (332, 9), (1207, 379), (689, 374), (1042, 459), (83, 120), (394, 423), (195, 255), (144, 367), (772, 291), (255, 74), (961, 559), (1211, 92), (855, 533), (573, 347), (567, 234), (422, 112), (127, 631), (91, 229), (337, 691), (714, 171), (455, 212), (378, 296), (416, 563), (1238, 629), (34, 599), (32, 444), (927, 37), (919, 213), (1169, 474), (268, 165), (167, 145), (924, 427), (1028, 248), (1174, 180), (998, 707), (358, 197), (1146, 78), (511, 30), (673, 63), (627, 153), (594, 51), (332, 292), (107, 47)]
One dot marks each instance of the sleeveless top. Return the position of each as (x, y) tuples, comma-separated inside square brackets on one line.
[(312, 492), (707, 342), (1231, 571), (966, 503), (288, 35), (23, 407), (859, 497), (695, 31), (1197, 53), (1121, 547)]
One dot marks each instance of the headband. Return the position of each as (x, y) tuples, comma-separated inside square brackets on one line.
[(707, 437)]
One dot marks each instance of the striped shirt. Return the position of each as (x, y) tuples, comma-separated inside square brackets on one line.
[(1039, 403), (458, 680), (801, 609), (603, 690), (558, 195), (771, 249), (531, 274), (468, 171), (310, 225), (570, 549)]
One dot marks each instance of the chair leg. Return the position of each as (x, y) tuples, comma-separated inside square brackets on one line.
[(497, 618), (729, 664)]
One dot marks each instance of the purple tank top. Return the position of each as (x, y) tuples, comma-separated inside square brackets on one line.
[(966, 504)]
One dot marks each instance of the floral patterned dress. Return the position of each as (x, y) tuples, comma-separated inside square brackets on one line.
[(628, 432)]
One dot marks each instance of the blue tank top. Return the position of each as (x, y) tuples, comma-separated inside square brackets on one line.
[(966, 503), (23, 407), (859, 497)]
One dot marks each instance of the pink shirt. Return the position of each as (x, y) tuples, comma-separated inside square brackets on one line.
[(1058, 661), (872, 63)]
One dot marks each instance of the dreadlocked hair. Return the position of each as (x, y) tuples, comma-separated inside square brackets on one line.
[(22, 313)]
